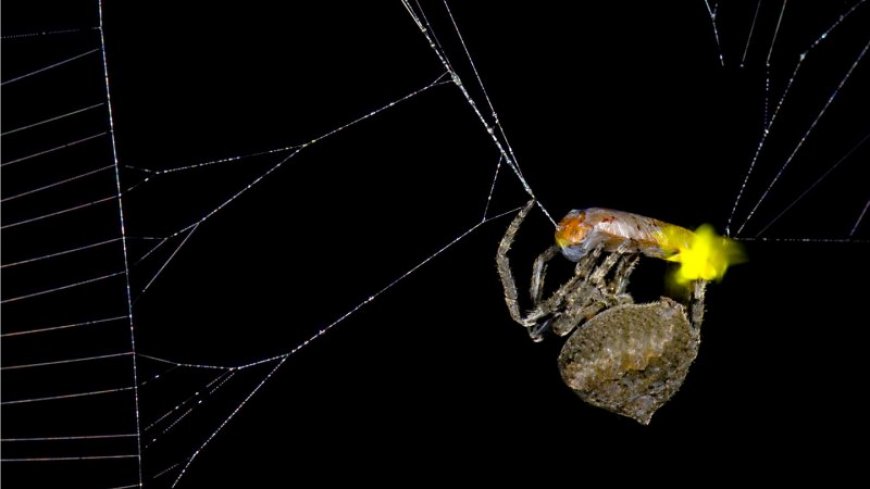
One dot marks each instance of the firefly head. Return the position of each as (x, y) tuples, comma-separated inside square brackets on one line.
[(571, 235)]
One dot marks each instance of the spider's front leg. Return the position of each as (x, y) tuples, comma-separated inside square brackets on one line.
[(504, 268), (537, 320)]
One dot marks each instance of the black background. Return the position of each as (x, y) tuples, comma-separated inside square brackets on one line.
[(613, 104)]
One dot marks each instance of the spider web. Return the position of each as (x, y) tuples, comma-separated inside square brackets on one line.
[(77, 284)]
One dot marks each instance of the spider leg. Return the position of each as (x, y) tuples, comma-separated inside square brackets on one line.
[(587, 263), (581, 273), (623, 271), (504, 268), (596, 293), (539, 272), (598, 275), (568, 293), (696, 303), (537, 331)]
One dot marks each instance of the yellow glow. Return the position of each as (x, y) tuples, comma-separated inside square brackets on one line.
[(703, 255)]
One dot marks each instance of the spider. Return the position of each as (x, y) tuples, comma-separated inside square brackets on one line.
[(627, 358)]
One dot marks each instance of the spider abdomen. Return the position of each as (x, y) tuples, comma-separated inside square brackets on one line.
[(631, 359)]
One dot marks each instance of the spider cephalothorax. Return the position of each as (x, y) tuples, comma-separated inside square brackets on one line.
[(627, 358)]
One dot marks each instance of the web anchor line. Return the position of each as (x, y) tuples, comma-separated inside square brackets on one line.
[(54, 32), (165, 263), (814, 185), (768, 124), (56, 183), (69, 459), (490, 128), (203, 396), (860, 218), (56, 254), (52, 119), (183, 403), (53, 149), (122, 225), (68, 438), (297, 149), (66, 361), (280, 359), (61, 327), (59, 397), (807, 240), (495, 118), (804, 137), (77, 207), (712, 13), (751, 31), (80, 283), (49, 67), (344, 316)]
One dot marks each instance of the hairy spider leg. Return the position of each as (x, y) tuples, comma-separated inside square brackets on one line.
[(591, 290), (504, 267)]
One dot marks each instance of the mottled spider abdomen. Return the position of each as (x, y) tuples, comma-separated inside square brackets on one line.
[(632, 358)]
